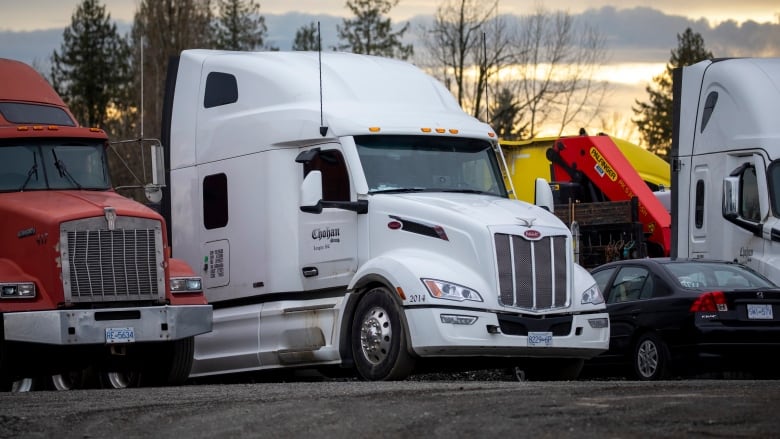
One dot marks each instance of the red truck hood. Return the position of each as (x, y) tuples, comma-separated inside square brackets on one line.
[(54, 207)]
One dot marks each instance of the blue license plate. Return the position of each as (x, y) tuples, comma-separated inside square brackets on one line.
[(539, 339), (760, 312), (120, 335)]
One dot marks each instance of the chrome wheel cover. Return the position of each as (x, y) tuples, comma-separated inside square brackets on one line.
[(22, 385), (376, 335), (647, 359)]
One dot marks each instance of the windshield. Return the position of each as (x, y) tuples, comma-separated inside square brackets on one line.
[(429, 164), (53, 165), (716, 275)]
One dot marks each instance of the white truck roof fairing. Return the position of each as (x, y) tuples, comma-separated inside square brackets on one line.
[(279, 98), (744, 92)]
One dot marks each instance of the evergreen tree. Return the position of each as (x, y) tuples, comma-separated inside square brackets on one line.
[(506, 115), (654, 118), (306, 38), (239, 25), (91, 71), (370, 32)]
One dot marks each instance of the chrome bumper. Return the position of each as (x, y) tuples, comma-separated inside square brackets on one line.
[(88, 326)]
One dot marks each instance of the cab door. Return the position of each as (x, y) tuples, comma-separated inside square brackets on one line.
[(328, 237)]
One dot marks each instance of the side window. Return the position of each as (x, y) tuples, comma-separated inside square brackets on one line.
[(215, 201), (628, 284), (221, 89), (602, 277), (749, 207), (773, 173), (335, 179), (699, 214)]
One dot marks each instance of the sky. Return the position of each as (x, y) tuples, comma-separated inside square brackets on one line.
[(44, 14), (639, 37)]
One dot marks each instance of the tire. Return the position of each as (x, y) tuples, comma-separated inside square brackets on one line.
[(169, 363), (551, 369), (651, 358), (379, 346)]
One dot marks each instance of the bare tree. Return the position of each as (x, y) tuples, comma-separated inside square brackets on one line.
[(465, 45), (556, 70), (163, 28)]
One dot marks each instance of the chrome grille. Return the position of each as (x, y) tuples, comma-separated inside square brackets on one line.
[(102, 265), (531, 274)]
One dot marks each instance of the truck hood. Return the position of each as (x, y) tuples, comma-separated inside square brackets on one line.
[(55, 207), (480, 209)]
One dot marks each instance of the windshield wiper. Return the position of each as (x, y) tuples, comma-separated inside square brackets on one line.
[(63, 170), (399, 190), (465, 191), (33, 170)]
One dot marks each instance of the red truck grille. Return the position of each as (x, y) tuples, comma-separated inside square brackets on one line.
[(531, 274), (102, 265)]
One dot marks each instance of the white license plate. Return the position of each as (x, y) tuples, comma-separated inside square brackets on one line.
[(120, 335), (537, 339), (760, 312)]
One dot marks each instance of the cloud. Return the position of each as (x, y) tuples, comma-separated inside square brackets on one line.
[(633, 35)]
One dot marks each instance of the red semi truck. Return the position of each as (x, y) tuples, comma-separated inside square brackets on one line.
[(89, 292)]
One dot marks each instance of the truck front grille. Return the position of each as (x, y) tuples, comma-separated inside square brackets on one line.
[(531, 274), (102, 265)]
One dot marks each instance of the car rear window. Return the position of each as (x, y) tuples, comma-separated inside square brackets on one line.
[(697, 275)]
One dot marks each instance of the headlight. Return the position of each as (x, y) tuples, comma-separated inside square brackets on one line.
[(592, 295), (447, 290), (20, 290), (186, 285)]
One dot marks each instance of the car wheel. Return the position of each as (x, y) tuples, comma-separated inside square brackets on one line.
[(379, 346), (651, 358)]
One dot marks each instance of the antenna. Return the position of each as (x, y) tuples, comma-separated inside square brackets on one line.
[(142, 85), (323, 128), (487, 76)]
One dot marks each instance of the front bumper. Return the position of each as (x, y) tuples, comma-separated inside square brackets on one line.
[(88, 326), (432, 338)]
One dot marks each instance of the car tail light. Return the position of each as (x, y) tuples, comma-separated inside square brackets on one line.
[(710, 302)]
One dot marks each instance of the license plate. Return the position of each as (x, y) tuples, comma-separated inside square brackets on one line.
[(120, 335), (536, 339), (760, 312)]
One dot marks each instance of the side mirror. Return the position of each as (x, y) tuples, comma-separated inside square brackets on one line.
[(311, 192), (153, 191), (543, 196), (730, 197)]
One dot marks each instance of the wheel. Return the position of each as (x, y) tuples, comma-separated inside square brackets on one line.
[(551, 369), (651, 358), (150, 365), (75, 379), (169, 363), (23, 385), (379, 346), (120, 379)]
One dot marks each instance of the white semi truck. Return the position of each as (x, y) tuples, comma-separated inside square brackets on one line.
[(726, 162), (344, 211)]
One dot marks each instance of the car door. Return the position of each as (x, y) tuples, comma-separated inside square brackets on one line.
[(627, 292)]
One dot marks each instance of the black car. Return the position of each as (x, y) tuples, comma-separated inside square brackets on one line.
[(682, 316)]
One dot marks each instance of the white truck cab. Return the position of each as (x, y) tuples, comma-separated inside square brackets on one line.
[(726, 162), (345, 211)]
